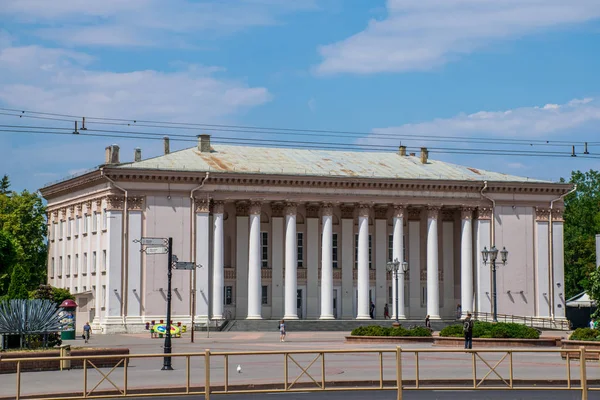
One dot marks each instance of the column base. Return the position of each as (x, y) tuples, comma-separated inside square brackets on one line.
[(363, 317), (434, 317), (290, 317), (217, 317), (254, 317), (329, 316)]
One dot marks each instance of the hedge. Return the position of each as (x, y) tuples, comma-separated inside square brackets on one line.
[(375, 330), (585, 334), (500, 330)]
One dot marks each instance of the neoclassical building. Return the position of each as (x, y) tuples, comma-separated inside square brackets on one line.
[(298, 233)]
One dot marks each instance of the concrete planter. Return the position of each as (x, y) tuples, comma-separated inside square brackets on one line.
[(492, 342), (576, 344), (54, 365), (389, 339)]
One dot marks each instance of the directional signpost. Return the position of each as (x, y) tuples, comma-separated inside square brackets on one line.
[(156, 250), (185, 265)]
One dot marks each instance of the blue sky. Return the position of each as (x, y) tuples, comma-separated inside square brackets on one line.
[(513, 69)]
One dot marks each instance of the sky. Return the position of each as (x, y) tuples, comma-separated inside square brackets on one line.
[(435, 73)]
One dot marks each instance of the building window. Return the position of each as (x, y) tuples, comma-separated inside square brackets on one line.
[(69, 227), (264, 242), (356, 251), (265, 295), (391, 248), (94, 262), (84, 266), (60, 266), (86, 223), (334, 250), (76, 291), (68, 265), (103, 260), (104, 219), (95, 222), (52, 268), (228, 298), (76, 267), (103, 296), (300, 248), (77, 222)]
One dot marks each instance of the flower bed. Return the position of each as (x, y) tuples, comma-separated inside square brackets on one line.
[(585, 334), (489, 330), (374, 330)]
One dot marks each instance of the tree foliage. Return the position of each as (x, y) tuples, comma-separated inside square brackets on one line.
[(19, 280), (48, 292), (582, 223), (22, 235)]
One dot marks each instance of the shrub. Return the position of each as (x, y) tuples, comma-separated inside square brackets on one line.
[(585, 334), (387, 331), (419, 331), (452, 331), (493, 330)]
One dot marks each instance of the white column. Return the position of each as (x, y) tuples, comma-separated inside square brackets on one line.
[(558, 263), (218, 272), (241, 259), (254, 264), (134, 267), (466, 261), (277, 260), (347, 254), (291, 262), (398, 254), (114, 295), (484, 292), (327, 263), (202, 215), (433, 285), (363, 263)]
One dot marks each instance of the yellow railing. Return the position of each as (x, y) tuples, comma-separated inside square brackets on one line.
[(535, 322), (307, 370)]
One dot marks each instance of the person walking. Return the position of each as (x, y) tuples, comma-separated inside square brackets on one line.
[(468, 331), (282, 332), (592, 323), (428, 323), (386, 312), (372, 310), (87, 330)]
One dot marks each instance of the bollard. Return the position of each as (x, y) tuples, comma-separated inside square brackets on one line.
[(65, 351)]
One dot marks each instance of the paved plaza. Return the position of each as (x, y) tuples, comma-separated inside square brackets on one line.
[(267, 369)]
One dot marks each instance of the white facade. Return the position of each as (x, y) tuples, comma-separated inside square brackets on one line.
[(292, 246)]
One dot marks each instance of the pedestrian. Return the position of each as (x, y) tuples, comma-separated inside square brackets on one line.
[(372, 310), (428, 323), (468, 331), (592, 323), (282, 332), (458, 311), (386, 312), (87, 330)]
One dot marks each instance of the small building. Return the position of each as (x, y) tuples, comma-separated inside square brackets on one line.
[(301, 233)]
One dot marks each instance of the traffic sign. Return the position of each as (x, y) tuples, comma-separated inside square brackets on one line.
[(156, 250), (153, 241), (184, 265)]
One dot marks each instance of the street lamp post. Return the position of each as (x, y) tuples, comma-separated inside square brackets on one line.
[(492, 255), (394, 267)]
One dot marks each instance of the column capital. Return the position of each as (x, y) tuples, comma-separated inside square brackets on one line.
[(364, 210), (71, 209), (312, 210), (433, 212), (399, 211), (242, 208), (98, 203), (218, 207), (291, 208), (484, 213), (347, 211), (557, 215), (88, 206), (326, 209), (277, 209), (255, 207), (542, 214), (381, 211), (63, 213), (466, 212), (114, 203), (135, 203), (201, 205)]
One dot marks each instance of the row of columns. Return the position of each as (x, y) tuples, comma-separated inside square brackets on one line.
[(291, 262)]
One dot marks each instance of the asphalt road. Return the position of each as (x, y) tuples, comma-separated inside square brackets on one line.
[(408, 395)]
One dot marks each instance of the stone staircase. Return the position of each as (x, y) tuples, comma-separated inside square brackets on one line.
[(308, 325)]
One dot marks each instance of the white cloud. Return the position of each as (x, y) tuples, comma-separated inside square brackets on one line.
[(56, 80), (312, 104), (420, 35), (145, 22)]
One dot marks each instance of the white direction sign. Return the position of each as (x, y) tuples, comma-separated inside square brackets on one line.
[(153, 241), (184, 265), (156, 250)]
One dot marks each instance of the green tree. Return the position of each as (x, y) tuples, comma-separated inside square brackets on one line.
[(582, 223), (8, 257), (4, 185), (19, 281), (22, 217), (52, 293)]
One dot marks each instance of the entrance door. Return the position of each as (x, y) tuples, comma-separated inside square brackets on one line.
[(299, 303), (335, 300)]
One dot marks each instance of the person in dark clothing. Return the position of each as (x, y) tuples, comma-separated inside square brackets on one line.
[(468, 331), (427, 323), (372, 310), (386, 312)]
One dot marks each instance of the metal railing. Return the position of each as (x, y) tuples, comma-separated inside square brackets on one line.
[(308, 371), (534, 322)]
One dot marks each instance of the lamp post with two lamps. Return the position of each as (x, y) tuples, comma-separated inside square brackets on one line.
[(492, 255), (394, 267)]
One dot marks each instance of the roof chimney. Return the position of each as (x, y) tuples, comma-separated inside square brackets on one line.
[(424, 155), (137, 155), (402, 150), (204, 143), (166, 145), (111, 155)]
